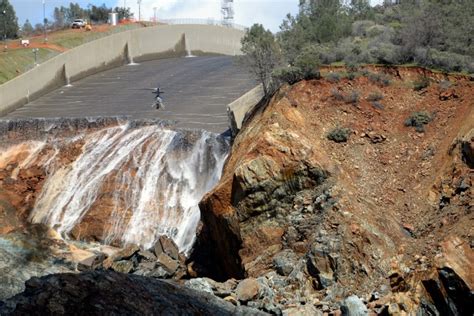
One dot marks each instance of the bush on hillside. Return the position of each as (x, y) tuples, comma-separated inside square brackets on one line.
[(359, 28), (375, 96), (333, 77), (309, 63), (306, 66), (352, 97), (377, 78), (421, 83), (290, 75), (385, 53), (339, 134), (418, 120), (337, 95), (377, 105)]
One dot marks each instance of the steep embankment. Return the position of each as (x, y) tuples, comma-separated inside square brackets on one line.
[(386, 215)]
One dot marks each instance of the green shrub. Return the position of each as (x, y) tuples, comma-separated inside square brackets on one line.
[(421, 83), (352, 97), (375, 96), (379, 79), (337, 95), (378, 105), (333, 77), (351, 75), (385, 53), (418, 120), (308, 61), (339, 134), (359, 28), (306, 66), (289, 75)]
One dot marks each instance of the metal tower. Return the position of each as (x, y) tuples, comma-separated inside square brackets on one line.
[(227, 9)]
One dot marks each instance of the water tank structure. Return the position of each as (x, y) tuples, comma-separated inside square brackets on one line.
[(113, 18)]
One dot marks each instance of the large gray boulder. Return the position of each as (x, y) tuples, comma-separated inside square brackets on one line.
[(353, 306), (112, 293)]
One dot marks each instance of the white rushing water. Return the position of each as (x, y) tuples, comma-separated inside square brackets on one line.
[(153, 178)]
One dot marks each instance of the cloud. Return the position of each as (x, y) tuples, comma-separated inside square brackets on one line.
[(270, 13), (247, 12)]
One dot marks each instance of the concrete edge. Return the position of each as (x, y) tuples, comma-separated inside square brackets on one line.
[(238, 109)]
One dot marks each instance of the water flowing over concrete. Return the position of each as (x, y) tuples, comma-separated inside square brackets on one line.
[(145, 179)]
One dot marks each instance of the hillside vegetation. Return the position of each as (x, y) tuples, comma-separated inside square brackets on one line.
[(431, 33)]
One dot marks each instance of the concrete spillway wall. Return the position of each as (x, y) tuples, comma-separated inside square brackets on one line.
[(115, 50)]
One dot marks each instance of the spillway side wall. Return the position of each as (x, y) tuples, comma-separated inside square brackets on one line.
[(115, 50)]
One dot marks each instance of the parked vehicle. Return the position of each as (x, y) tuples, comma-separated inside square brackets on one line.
[(25, 43), (78, 23)]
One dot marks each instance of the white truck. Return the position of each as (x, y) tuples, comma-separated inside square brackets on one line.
[(78, 23)]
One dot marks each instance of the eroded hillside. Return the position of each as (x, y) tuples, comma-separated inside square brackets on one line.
[(385, 214)]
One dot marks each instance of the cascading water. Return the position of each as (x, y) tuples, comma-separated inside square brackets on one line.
[(147, 179)]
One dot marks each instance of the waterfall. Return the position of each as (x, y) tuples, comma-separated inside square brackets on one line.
[(189, 54), (146, 180)]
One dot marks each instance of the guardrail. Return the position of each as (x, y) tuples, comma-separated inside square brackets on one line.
[(203, 22)]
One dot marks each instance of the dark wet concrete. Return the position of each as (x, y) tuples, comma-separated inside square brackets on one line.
[(197, 91)]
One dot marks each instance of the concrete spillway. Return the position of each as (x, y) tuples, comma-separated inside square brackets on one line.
[(197, 91)]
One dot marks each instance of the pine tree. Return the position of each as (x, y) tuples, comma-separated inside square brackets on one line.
[(27, 28), (8, 20)]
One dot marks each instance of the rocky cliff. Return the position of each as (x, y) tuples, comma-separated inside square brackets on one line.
[(339, 186)]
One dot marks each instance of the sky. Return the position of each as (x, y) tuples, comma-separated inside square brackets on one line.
[(270, 13)]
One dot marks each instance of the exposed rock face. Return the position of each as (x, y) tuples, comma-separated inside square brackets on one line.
[(324, 220), (29, 253), (111, 293)]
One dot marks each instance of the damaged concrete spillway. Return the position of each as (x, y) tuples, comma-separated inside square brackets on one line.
[(117, 182)]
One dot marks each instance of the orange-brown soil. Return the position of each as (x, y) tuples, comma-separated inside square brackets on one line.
[(400, 201)]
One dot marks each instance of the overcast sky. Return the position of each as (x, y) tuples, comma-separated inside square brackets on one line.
[(247, 12)]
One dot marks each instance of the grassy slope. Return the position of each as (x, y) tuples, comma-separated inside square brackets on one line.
[(17, 61)]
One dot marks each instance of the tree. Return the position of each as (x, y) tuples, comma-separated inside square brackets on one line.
[(8, 20), (59, 16), (123, 13), (27, 28), (262, 54), (99, 14), (361, 10), (39, 28), (74, 12)]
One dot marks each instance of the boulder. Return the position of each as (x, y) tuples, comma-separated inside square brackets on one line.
[(467, 148), (111, 293), (353, 306), (91, 263), (147, 255), (284, 262), (157, 248), (321, 265), (122, 266), (167, 263), (247, 290), (169, 247), (302, 310), (448, 94), (123, 254), (199, 284)]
